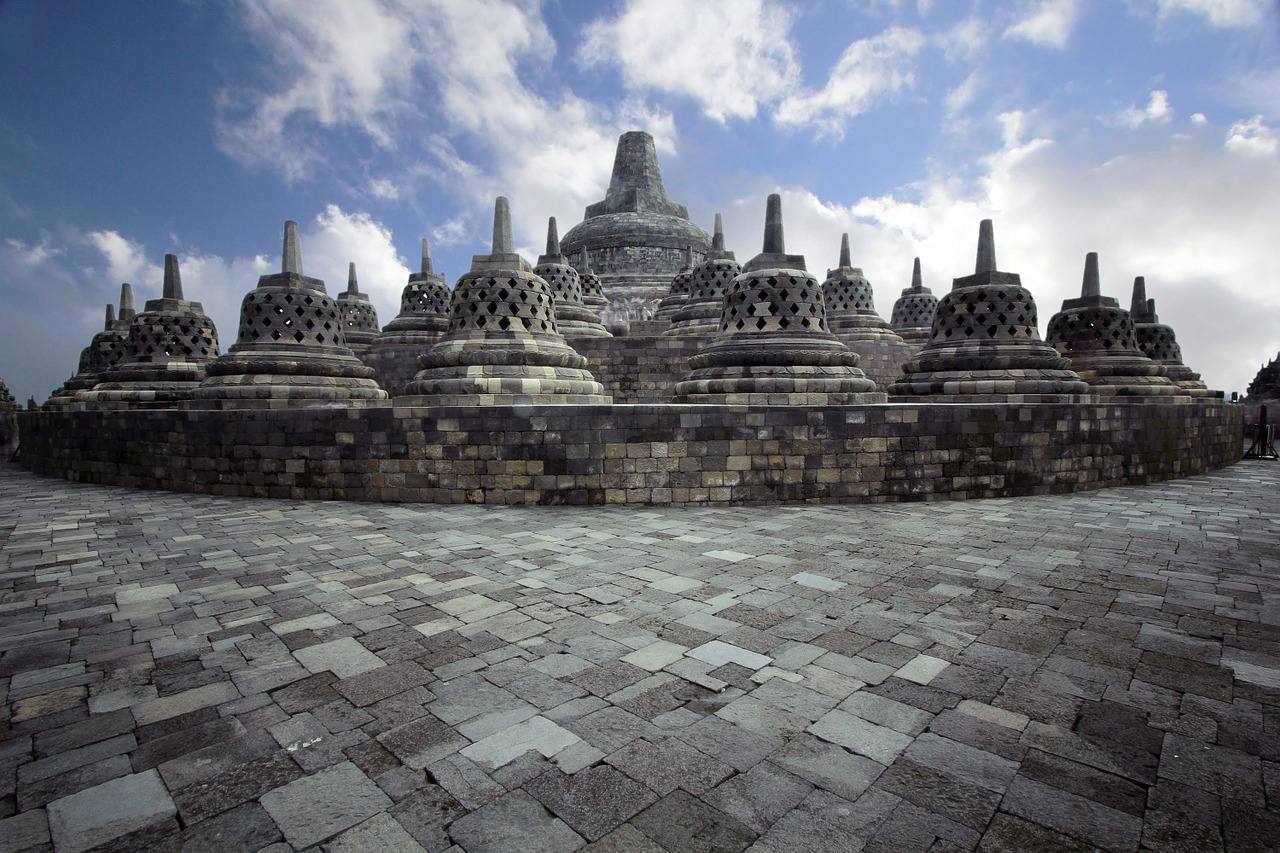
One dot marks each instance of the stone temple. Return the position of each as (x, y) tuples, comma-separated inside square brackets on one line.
[(635, 237)]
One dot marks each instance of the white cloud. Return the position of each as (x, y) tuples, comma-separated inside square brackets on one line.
[(1194, 220), (1199, 118), (730, 56), (962, 95), (1219, 13), (449, 232), (1048, 24), (124, 260), (383, 189), (964, 40), (1157, 111), (867, 70), (1252, 138)]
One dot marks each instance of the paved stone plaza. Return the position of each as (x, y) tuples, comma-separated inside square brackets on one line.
[(1094, 670)]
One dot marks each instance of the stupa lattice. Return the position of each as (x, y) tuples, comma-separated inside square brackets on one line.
[(503, 346), (1098, 336), (679, 292), (1159, 343), (1265, 384), (852, 317), (104, 351), (358, 316), (423, 320), (592, 291), (773, 345), (985, 346), (913, 312), (290, 349), (573, 318), (701, 313), (636, 236), (170, 344)]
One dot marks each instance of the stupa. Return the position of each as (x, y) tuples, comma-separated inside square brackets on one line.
[(423, 320), (592, 291), (635, 236), (679, 292), (773, 345), (503, 346), (1265, 384), (700, 314), (290, 349), (1097, 335), (8, 421), (359, 319), (912, 316), (573, 318), (170, 344), (985, 346), (103, 352), (852, 317), (1159, 344)]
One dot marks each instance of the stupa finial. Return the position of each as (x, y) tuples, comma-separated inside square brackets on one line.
[(172, 278), (1091, 287), (585, 265), (917, 280), (846, 258), (353, 286), (986, 248), (502, 241), (111, 317), (553, 237), (717, 238), (126, 303), (774, 244), (426, 257), (688, 257), (1138, 303), (291, 256)]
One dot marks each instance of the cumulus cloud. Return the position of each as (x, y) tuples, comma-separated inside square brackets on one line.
[(867, 70), (1219, 13), (1193, 219), (1048, 23), (1157, 111), (1252, 138), (730, 56), (1199, 118)]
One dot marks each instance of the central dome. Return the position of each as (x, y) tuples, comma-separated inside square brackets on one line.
[(636, 237)]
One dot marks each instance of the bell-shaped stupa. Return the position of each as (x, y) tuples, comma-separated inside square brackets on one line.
[(423, 320), (1098, 336), (171, 342), (592, 291), (358, 316), (1158, 342), (912, 316), (773, 344), (573, 318), (103, 352), (985, 346), (678, 294), (290, 349), (503, 346), (635, 236), (700, 314), (1265, 384), (852, 317)]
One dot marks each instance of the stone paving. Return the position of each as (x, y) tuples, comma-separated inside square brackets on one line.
[(1099, 670)]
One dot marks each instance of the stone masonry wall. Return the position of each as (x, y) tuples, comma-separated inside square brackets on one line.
[(636, 454), (639, 369)]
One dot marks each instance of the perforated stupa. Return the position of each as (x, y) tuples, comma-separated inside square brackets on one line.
[(678, 294), (1098, 336), (171, 342), (700, 315), (290, 350), (913, 312), (773, 345), (423, 320), (592, 291), (850, 302), (985, 346), (104, 351), (573, 318), (1158, 342), (358, 316), (503, 346)]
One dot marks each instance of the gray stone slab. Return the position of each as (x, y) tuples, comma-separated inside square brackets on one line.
[(514, 822), (314, 808), (105, 812)]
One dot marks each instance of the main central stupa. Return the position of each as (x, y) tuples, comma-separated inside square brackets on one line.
[(636, 237)]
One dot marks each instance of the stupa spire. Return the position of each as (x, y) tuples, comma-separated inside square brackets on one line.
[(553, 237), (126, 303), (502, 241), (917, 280), (585, 262), (353, 285), (1138, 302), (846, 258), (688, 257), (1091, 287), (986, 261), (774, 242), (717, 238), (111, 316), (426, 257), (291, 255), (172, 278)]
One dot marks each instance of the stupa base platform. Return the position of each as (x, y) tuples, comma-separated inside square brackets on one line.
[(636, 454), (783, 398), (501, 399)]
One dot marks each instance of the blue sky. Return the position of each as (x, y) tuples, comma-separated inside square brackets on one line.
[(1146, 130)]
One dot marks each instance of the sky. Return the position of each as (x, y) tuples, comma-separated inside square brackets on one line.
[(1145, 130)]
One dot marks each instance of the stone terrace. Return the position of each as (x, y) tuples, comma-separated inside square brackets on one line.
[(1094, 670)]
